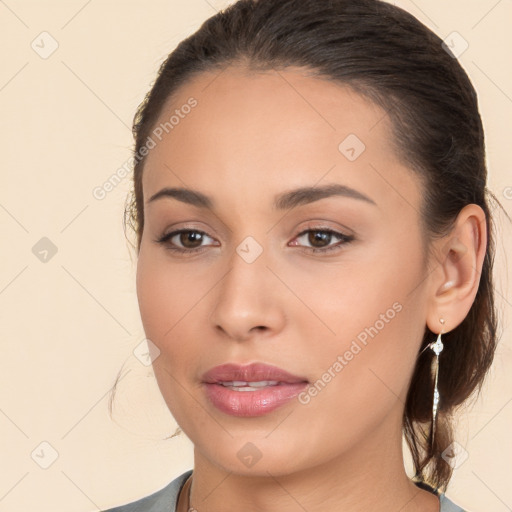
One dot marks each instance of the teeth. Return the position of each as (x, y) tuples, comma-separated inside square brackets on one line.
[(241, 385), (263, 383)]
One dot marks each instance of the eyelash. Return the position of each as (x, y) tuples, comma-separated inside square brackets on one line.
[(344, 239)]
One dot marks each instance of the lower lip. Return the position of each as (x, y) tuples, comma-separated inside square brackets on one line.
[(252, 403)]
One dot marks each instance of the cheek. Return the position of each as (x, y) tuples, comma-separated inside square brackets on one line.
[(360, 383), (165, 292), (365, 313), (365, 288), (154, 297), (164, 300), (173, 305), (336, 302)]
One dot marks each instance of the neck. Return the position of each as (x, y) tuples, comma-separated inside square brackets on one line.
[(370, 476)]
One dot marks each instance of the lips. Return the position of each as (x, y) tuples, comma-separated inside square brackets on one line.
[(251, 390), (255, 372)]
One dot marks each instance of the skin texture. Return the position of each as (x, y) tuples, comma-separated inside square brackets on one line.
[(250, 137)]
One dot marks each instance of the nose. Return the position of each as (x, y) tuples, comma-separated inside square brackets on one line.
[(247, 300)]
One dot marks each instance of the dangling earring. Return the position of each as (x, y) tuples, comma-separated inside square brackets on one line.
[(437, 347)]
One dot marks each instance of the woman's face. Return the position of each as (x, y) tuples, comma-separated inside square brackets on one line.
[(348, 317)]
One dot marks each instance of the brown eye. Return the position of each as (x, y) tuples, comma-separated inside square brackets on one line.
[(185, 240), (190, 239), (320, 240)]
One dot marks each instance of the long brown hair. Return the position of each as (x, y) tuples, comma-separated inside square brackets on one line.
[(387, 55)]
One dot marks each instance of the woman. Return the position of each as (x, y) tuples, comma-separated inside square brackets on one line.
[(314, 256)]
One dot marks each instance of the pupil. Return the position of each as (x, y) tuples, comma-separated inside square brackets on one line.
[(191, 236), (319, 236)]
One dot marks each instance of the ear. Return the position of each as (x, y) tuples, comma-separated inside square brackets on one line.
[(456, 276)]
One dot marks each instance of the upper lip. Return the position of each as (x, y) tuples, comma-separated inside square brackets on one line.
[(253, 372)]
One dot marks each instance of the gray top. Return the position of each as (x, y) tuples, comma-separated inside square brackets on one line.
[(165, 499)]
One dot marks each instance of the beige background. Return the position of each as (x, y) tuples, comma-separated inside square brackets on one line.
[(70, 323)]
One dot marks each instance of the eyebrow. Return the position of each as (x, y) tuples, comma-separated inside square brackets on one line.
[(283, 201)]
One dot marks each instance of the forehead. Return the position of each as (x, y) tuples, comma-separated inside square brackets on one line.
[(268, 131)]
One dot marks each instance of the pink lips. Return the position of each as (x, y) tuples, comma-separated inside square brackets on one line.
[(257, 402)]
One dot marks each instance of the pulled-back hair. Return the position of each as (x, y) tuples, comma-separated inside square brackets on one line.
[(388, 56)]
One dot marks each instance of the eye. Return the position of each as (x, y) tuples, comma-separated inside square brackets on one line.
[(321, 239), (184, 240), (191, 240)]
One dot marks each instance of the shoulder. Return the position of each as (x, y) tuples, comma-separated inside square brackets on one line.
[(163, 500), (448, 506)]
